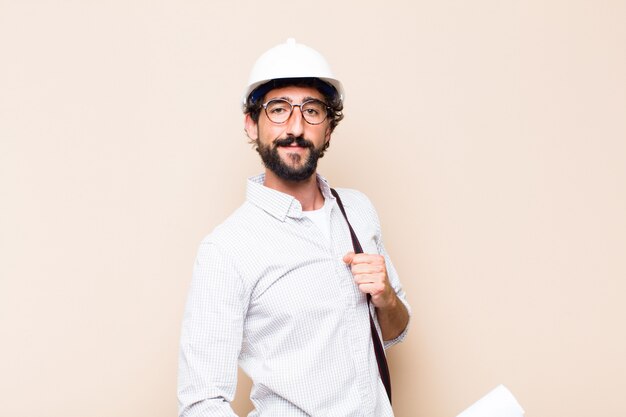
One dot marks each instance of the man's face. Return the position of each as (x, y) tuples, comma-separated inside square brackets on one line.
[(290, 149)]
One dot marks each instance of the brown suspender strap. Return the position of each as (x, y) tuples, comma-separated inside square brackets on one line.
[(383, 369)]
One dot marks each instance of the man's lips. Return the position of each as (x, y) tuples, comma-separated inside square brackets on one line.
[(294, 149)]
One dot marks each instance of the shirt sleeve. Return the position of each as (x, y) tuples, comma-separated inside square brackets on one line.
[(362, 207), (211, 336), (394, 280)]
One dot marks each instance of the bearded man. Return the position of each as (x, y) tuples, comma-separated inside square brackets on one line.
[(295, 286)]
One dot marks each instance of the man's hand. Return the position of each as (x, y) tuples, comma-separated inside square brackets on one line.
[(370, 274)]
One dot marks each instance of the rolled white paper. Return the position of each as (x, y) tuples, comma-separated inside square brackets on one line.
[(498, 403)]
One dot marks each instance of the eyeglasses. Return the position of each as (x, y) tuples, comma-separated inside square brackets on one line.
[(279, 111)]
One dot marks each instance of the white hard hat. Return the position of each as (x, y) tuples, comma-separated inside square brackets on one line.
[(291, 60)]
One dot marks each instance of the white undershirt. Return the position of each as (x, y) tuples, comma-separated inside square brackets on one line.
[(321, 218)]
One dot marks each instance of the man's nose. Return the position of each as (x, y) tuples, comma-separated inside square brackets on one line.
[(295, 123)]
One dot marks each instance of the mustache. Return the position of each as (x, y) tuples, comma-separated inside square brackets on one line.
[(300, 141)]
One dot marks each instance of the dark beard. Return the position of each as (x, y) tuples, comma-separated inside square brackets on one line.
[(271, 159)]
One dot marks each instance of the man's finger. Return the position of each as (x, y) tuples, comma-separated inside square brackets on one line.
[(367, 269), (375, 289), (367, 279), (348, 257), (367, 258)]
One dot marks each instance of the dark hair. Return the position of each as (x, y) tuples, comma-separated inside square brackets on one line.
[(254, 101)]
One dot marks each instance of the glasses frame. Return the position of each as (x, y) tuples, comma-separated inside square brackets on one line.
[(264, 105)]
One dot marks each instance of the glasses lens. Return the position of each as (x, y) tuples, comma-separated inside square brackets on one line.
[(314, 111), (278, 111)]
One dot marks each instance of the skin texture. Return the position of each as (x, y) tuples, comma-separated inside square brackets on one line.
[(369, 270)]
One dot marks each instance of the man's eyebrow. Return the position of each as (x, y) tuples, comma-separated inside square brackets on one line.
[(290, 100), (281, 98)]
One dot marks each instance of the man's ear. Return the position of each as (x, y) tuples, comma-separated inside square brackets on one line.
[(327, 136), (251, 127)]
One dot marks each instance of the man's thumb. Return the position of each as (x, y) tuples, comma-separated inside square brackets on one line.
[(348, 257)]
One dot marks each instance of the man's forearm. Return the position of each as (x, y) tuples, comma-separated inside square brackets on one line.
[(393, 319)]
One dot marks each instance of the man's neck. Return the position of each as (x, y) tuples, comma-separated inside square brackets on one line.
[(307, 192)]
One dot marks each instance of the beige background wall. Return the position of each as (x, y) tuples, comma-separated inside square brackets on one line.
[(491, 135)]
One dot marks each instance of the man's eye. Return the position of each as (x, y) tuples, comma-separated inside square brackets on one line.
[(278, 110)]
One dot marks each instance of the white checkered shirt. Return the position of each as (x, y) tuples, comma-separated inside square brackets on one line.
[(271, 294)]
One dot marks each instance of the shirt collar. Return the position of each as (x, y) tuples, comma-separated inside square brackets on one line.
[(276, 203)]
